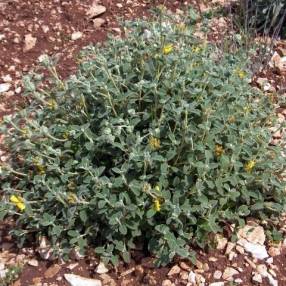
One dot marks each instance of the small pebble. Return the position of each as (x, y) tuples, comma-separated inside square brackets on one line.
[(217, 274), (76, 36)]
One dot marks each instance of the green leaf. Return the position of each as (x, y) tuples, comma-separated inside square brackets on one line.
[(114, 260), (258, 206), (150, 213), (83, 216), (99, 250), (243, 210), (119, 245), (126, 256), (47, 219), (123, 229), (182, 252), (73, 233)]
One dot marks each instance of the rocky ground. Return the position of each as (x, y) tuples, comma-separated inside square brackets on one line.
[(251, 260), (29, 29)]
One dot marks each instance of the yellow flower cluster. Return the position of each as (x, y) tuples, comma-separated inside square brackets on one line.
[(40, 167), (18, 202), (72, 198), (157, 201), (154, 143), (157, 205), (66, 135), (231, 119), (52, 104), (181, 27), (219, 150), (194, 65), (247, 109), (161, 7), (241, 74), (196, 49), (248, 167), (25, 132), (71, 185), (167, 49)]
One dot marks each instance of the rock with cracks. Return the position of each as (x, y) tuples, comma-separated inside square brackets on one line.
[(257, 251), (95, 10), (254, 234)]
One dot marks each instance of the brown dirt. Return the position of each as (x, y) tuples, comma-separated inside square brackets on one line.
[(52, 23)]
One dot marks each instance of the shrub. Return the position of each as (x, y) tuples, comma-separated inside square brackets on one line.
[(264, 16), (158, 140)]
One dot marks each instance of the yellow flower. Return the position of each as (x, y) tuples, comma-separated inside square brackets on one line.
[(247, 109), (52, 104), (249, 166), (161, 7), (219, 150), (240, 73), (194, 65), (167, 49), (154, 143), (72, 198), (18, 202), (181, 27), (196, 49), (71, 185), (157, 205), (25, 132), (231, 119), (41, 169), (38, 164), (66, 135), (157, 188), (37, 160)]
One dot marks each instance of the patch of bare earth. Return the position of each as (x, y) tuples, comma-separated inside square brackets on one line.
[(29, 29)]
